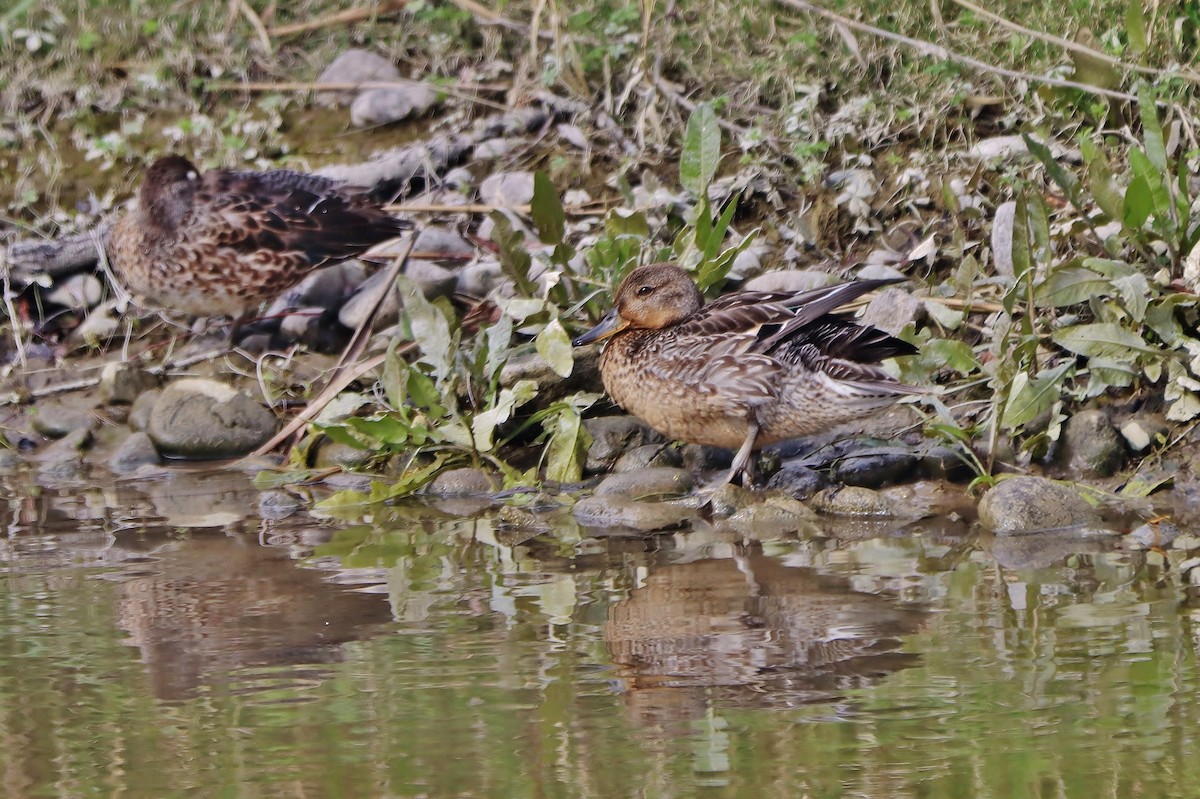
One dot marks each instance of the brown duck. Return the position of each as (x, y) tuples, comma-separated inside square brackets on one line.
[(748, 369), (222, 242)]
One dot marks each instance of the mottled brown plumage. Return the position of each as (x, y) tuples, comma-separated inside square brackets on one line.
[(222, 242), (748, 369)]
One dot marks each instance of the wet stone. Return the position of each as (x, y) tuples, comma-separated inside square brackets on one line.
[(1092, 446), (853, 501), (612, 436), (139, 413), (68, 448), (618, 512), (798, 481), (124, 382), (56, 420), (438, 242), (202, 418), (653, 481), (648, 455), (461, 483), (701, 458), (136, 451), (777, 515), (1022, 504), (1152, 535), (277, 504), (335, 453), (875, 467)]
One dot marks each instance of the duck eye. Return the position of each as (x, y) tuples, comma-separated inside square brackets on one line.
[(644, 290)]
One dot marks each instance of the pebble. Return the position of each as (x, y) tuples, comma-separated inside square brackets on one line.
[(136, 451), (620, 512), (1091, 446), (507, 188), (798, 481), (853, 501), (388, 104), (463, 482), (648, 455), (1024, 504), (139, 412), (124, 382), (612, 436), (651, 482), (201, 418), (354, 66)]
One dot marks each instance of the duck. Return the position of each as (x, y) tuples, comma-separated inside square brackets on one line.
[(221, 242), (747, 370)]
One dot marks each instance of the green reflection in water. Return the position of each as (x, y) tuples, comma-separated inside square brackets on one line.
[(415, 658)]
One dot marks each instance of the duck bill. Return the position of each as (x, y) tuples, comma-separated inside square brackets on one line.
[(609, 326)]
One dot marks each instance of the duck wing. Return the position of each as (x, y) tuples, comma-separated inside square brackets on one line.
[(291, 213)]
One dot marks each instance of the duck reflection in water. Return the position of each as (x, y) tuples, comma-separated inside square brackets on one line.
[(749, 631)]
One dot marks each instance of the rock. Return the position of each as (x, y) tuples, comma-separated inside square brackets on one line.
[(1160, 535), (1144, 431), (652, 481), (612, 436), (344, 456), (201, 418), (892, 309), (748, 263), (480, 278), (1091, 446), (507, 188), (1039, 550), (464, 482), (354, 66), (439, 242), (79, 292), (615, 511), (798, 481), (1025, 504), (647, 456), (852, 501), (67, 449), (943, 463), (325, 288), (876, 466), (777, 515), (302, 326), (790, 280), (433, 280), (389, 104), (136, 451), (124, 382), (497, 148), (276, 504), (55, 419), (139, 413), (701, 458), (100, 325), (585, 375)]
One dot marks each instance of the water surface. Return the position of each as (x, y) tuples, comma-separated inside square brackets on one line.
[(159, 639)]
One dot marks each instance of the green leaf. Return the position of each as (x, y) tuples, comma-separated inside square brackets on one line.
[(483, 426), (1139, 202), (515, 260), (566, 451), (1029, 398), (429, 326), (1070, 285), (701, 150), (1103, 340), (956, 355), (546, 209), (1064, 179), (554, 345), (1135, 26), (269, 478), (1134, 291), (1144, 170), (1152, 134), (1103, 186)]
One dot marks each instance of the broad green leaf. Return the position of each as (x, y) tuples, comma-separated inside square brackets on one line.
[(1134, 291), (1139, 202), (1135, 26), (717, 236), (619, 223), (341, 434), (429, 326), (944, 315), (515, 260), (701, 150), (1152, 134), (342, 505), (554, 345), (1161, 318), (1028, 398), (1064, 179), (341, 406), (953, 354), (1103, 340), (1184, 408), (423, 393), (483, 426), (546, 209), (1144, 169), (1109, 267), (1104, 188), (385, 429), (1070, 285), (566, 451), (498, 336), (411, 480)]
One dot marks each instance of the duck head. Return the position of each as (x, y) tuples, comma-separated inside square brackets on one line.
[(165, 197), (649, 298)]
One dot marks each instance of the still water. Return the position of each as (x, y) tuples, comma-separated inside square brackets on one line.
[(160, 639)]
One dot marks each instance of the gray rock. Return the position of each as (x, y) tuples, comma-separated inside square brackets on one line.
[(619, 512), (58, 419), (136, 451), (1044, 549), (892, 309), (798, 481), (9, 459), (507, 188), (124, 382), (1091, 445), (389, 104), (776, 516), (701, 458), (464, 482), (646, 456), (497, 148), (790, 280), (853, 501), (1144, 431), (67, 449), (653, 481), (1159, 535), (354, 67), (201, 418), (612, 436), (302, 326), (1025, 504), (278, 504), (344, 456), (439, 242), (433, 280), (585, 375), (875, 467), (79, 291), (139, 413), (326, 288), (480, 278), (748, 263)]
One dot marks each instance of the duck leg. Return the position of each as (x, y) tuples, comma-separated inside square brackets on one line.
[(741, 461)]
